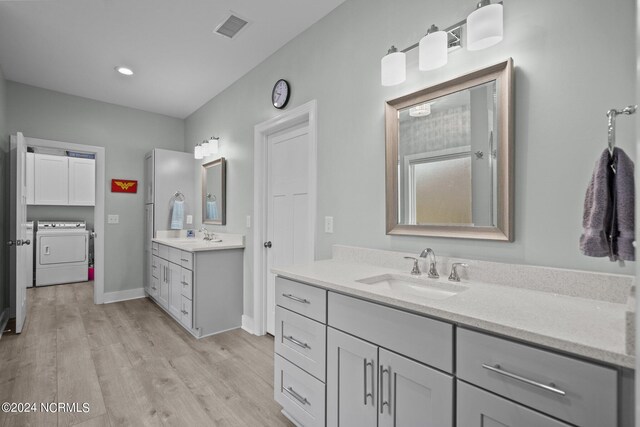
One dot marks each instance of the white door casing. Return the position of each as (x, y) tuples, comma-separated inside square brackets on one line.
[(18, 229), (288, 219), (293, 120)]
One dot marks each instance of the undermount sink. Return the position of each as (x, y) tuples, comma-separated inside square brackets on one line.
[(424, 288)]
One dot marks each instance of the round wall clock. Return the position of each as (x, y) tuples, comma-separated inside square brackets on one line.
[(280, 94)]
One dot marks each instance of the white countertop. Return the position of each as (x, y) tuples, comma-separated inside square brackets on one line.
[(590, 328), (198, 244)]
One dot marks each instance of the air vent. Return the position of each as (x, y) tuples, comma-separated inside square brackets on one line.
[(231, 26)]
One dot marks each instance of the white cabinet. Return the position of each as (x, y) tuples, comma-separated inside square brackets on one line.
[(82, 182), (51, 180), (175, 290), (163, 294), (60, 180)]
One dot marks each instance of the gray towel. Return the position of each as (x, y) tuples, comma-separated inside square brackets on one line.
[(608, 218)]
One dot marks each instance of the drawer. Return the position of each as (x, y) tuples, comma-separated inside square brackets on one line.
[(175, 255), (155, 288), (186, 310), (155, 267), (302, 341), (186, 260), (300, 395), (186, 282), (420, 338), (163, 252), (302, 299), (155, 248), (478, 408), (537, 378)]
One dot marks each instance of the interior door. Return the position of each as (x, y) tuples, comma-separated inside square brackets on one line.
[(20, 244), (352, 381), (412, 394), (289, 222)]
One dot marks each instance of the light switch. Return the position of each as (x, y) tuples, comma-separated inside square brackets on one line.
[(189, 219), (328, 224), (248, 221), (113, 219)]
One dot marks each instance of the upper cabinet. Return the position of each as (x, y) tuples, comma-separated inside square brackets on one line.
[(60, 180)]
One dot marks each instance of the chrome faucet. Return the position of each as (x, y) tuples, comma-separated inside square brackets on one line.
[(207, 234), (432, 271), (415, 271)]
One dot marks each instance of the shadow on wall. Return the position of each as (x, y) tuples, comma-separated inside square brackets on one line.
[(4, 229)]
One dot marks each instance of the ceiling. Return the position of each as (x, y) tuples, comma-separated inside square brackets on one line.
[(72, 46)]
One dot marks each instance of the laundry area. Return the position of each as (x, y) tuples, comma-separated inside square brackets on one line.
[(60, 193)]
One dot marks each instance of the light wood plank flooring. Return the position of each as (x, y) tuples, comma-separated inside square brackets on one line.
[(133, 365)]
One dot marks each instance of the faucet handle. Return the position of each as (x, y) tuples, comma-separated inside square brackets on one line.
[(416, 269), (454, 277)]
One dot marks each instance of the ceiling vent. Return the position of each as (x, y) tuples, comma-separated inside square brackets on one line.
[(231, 26)]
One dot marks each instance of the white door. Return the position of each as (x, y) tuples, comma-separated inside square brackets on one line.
[(289, 222), (20, 245)]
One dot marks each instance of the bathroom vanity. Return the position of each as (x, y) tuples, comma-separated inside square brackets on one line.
[(199, 282), (356, 344)]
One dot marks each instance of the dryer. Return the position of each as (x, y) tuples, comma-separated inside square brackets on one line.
[(62, 252)]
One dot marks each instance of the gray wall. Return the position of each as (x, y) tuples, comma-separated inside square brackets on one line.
[(574, 60), (127, 134), (4, 197)]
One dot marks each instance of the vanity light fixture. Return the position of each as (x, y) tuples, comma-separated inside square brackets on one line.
[(433, 49), (206, 148), (214, 144), (197, 152), (484, 27), (125, 71)]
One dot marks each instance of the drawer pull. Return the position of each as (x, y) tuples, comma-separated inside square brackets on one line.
[(184, 312), (366, 387), (154, 266), (498, 370), (296, 342), (185, 283), (185, 260), (297, 299), (299, 398), (154, 288)]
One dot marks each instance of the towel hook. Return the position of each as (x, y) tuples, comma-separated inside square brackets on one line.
[(611, 128), (179, 196)]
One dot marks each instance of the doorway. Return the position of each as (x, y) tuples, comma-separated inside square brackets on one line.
[(98, 211), (285, 164)]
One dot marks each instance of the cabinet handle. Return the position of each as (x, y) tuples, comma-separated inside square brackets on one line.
[(299, 398), (384, 402), (184, 312), (185, 260), (297, 299), (185, 283), (296, 342), (154, 288), (498, 370), (366, 394)]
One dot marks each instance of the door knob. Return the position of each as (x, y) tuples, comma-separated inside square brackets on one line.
[(10, 243), (267, 244), (18, 242), (26, 242)]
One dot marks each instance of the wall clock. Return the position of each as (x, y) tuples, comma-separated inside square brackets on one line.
[(280, 94)]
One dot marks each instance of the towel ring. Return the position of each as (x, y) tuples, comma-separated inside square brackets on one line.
[(211, 197), (179, 196)]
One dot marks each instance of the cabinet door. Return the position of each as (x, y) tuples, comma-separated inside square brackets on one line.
[(82, 182), (148, 178), (478, 408), (163, 295), (175, 290), (352, 379), (411, 394), (30, 178), (51, 180)]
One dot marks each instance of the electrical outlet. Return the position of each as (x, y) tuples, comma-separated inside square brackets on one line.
[(248, 221), (113, 219), (189, 219), (328, 224)]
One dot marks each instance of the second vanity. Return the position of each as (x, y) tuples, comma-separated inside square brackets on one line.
[(198, 282), (356, 346)]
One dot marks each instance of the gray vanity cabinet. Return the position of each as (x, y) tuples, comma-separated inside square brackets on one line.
[(368, 386), (352, 381), (478, 408)]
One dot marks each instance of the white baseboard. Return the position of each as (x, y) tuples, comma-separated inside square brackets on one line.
[(123, 295), (247, 324)]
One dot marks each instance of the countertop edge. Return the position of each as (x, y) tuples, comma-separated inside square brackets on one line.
[(203, 249), (572, 348)]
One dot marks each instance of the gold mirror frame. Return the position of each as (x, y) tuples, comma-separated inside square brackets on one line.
[(223, 196), (502, 73)]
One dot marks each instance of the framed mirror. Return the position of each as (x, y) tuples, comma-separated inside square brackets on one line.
[(214, 192), (449, 158)]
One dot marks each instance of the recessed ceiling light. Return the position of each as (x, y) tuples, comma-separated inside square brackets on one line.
[(124, 70)]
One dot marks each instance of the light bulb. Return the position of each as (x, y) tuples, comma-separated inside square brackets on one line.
[(433, 49), (214, 145), (206, 148), (197, 152), (393, 67), (485, 26)]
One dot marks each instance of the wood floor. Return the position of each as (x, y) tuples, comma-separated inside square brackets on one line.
[(133, 365)]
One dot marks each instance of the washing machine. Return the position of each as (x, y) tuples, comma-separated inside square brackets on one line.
[(62, 252)]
